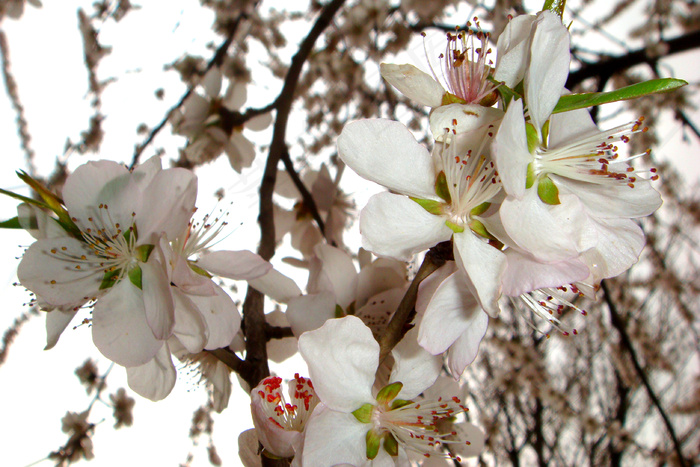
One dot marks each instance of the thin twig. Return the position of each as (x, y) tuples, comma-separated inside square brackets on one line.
[(306, 196), (626, 342)]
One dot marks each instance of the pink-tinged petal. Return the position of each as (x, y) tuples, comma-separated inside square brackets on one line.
[(334, 438), (413, 366), (275, 439), (37, 223), (279, 350), (451, 311), (219, 377), (190, 328), (158, 302), (483, 266), (49, 268), (144, 173), (168, 205), (549, 67), (212, 82), (394, 225), (89, 184), (309, 312), (550, 233), (236, 95), (620, 242), (343, 374), (513, 47), (259, 123), (413, 83), (376, 278), (221, 317), (186, 279), (119, 327), (461, 118), (248, 449), (332, 269), (610, 201), (510, 151), (465, 349), (155, 379), (525, 274), (379, 309), (196, 112), (237, 265), (276, 285), (240, 151), (385, 152), (570, 126), (56, 322)]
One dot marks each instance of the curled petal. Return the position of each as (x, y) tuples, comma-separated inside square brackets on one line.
[(153, 380), (413, 83)]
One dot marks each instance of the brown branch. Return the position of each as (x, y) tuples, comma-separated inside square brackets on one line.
[(397, 327), (277, 332), (228, 358), (608, 66), (306, 196), (626, 342)]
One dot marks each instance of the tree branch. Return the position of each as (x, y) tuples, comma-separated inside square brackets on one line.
[(306, 196)]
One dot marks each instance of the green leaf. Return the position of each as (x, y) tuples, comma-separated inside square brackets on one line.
[(581, 101), (53, 202), (136, 276), (391, 445), (31, 201), (364, 413), (441, 187), (373, 442), (548, 191), (12, 223), (389, 392), (555, 6), (110, 278), (430, 205)]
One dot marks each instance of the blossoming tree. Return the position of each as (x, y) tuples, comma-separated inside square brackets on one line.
[(504, 209)]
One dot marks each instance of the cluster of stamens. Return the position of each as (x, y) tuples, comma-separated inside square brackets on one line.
[(549, 304), (201, 235), (288, 415)]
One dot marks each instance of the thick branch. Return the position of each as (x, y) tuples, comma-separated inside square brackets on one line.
[(611, 65), (626, 342)]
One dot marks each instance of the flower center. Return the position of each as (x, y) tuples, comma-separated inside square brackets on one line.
[(288, 415), (549, 304)]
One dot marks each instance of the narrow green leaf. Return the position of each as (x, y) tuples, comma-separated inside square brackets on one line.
[(430, 205), (136, 276), (548, 191), (555, 6), (584, 100), (31, 201), (364, 413), (11, 223), (53, 202)]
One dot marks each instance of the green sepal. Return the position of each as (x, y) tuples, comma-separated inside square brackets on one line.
[(430, 205), (13, 223), (143, 252), (533, 139), (479, 228), (374, 440), (391, 445), (339, 313), (449, 98), (480, 209), (507, 94), (441, 187), (545, 133), (555, 6), (583, 100), (531, 177), (398, 403), (109, 279), (548, 191), (135, 276), (351, 308), (199, 270), (454, 227), (364, 413), (389, 392)]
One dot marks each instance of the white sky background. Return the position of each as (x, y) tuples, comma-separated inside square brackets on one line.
[(36, 386)]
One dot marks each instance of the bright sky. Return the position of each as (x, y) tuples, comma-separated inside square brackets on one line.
[(47, 55)]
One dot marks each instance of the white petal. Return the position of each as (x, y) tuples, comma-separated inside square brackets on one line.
[(190, 328), (376, 278), (333, 270), (620, 242), (212, 82), (465, 349), (276, 285), (155, 379), (525, 274), (413, 366), (56, 322), (510, 151), (248, 449), (413, 83), (483, 266), (450, 312), (471, 433), (385, 152), (279, 350), (221, 316), (461, 118), (119, 327), (513, 50), (566, 127), (334, 438), (158, 302), (238, 265), (394, 225), (309, 312), (549, 67), (54, 276), (236, 95), (259, 123), (240, 151), (427, 288), (342, 357)]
